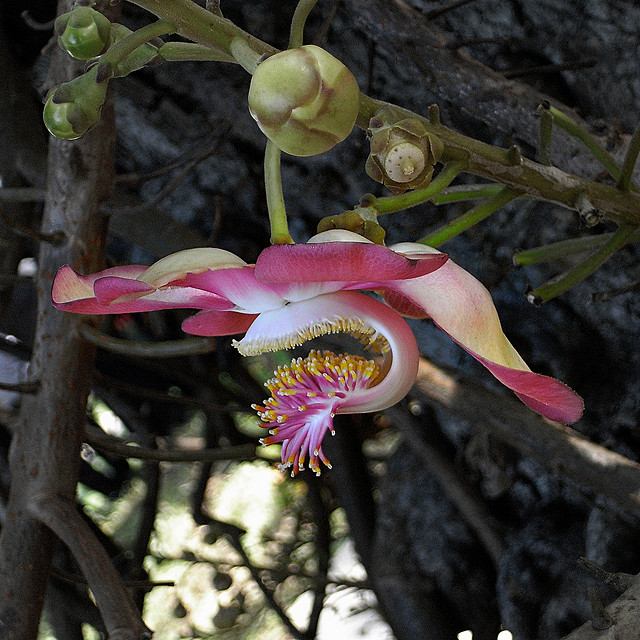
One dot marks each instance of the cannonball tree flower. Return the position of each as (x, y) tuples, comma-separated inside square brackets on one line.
[(297, 292)]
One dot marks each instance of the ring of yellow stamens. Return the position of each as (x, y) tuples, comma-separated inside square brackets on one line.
[(355, 327)]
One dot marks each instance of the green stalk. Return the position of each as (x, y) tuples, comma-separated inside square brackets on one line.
[(624, 182), (461, 192), (471, 217), (275, 197), (196, 23), (296, 36), (127, 45), (559, 250), (546, 129), (189, 51), (391, 204), (245, 55), (577, 274), (574, 129)]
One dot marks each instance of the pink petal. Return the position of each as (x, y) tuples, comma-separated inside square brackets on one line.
[(120, 292), (68, 286), (237, 285), (108, 290), (218, 323), (462, 307), (341, 262)]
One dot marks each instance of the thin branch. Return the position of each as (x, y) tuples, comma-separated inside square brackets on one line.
[(207, 150), (189, 159), (164, 349), (462, 494), (561, 449), (109, 444), (162, 396), (21, 387), (234, 534), (55, 238), (445, 7), (120, 616), (549, 68), (21, 194), (74, 578)]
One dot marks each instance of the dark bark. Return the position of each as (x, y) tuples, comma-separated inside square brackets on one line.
[(48, 434)]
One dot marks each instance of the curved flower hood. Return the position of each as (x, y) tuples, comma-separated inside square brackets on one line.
[(297, 292)]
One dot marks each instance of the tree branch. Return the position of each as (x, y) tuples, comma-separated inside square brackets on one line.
[(120, 615), (561, 449)]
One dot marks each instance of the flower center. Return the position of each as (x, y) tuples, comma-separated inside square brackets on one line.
[(304, 398)]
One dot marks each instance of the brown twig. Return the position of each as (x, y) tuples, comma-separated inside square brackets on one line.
[(462, 494), (120, 615), (234, 534), (164, 349), (559, 448), (109, 444)]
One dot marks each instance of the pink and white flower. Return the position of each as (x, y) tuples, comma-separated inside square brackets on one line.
[(297, 292)]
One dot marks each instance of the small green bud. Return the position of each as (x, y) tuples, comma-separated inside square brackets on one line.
[(83, 32), (402, 154), (304, 100), (72, 108)]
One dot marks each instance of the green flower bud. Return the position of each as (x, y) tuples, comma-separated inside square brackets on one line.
[(72, 108), (83, 32), (402, 154), (304, 100)]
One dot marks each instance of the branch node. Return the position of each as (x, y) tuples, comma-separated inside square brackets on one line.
[(600, 619), (619, 581)]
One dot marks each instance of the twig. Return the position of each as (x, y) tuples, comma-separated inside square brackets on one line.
[(445, 7), (21, 194), (164, 349), (562, 450), (162, 396), (548, 68), (192, 157), (207, 150), (321, 37), (109, 444), (54, 238), (120, 616), (463, 495), (74, 578), (35, 24), (601, 296), (21, 387), (323, 542), (234, 534)]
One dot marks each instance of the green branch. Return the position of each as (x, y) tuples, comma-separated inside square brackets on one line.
[(499, 165), (275, 197), (574, 129), (296, 36), (471, 217), (391, 204), (577, 274), (624, 182)]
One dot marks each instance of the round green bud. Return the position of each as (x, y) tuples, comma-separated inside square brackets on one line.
[(402, 154), (72, 108), (304, 100), (83, 32)]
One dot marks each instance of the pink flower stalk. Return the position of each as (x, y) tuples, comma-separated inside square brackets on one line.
[(297, 292)]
